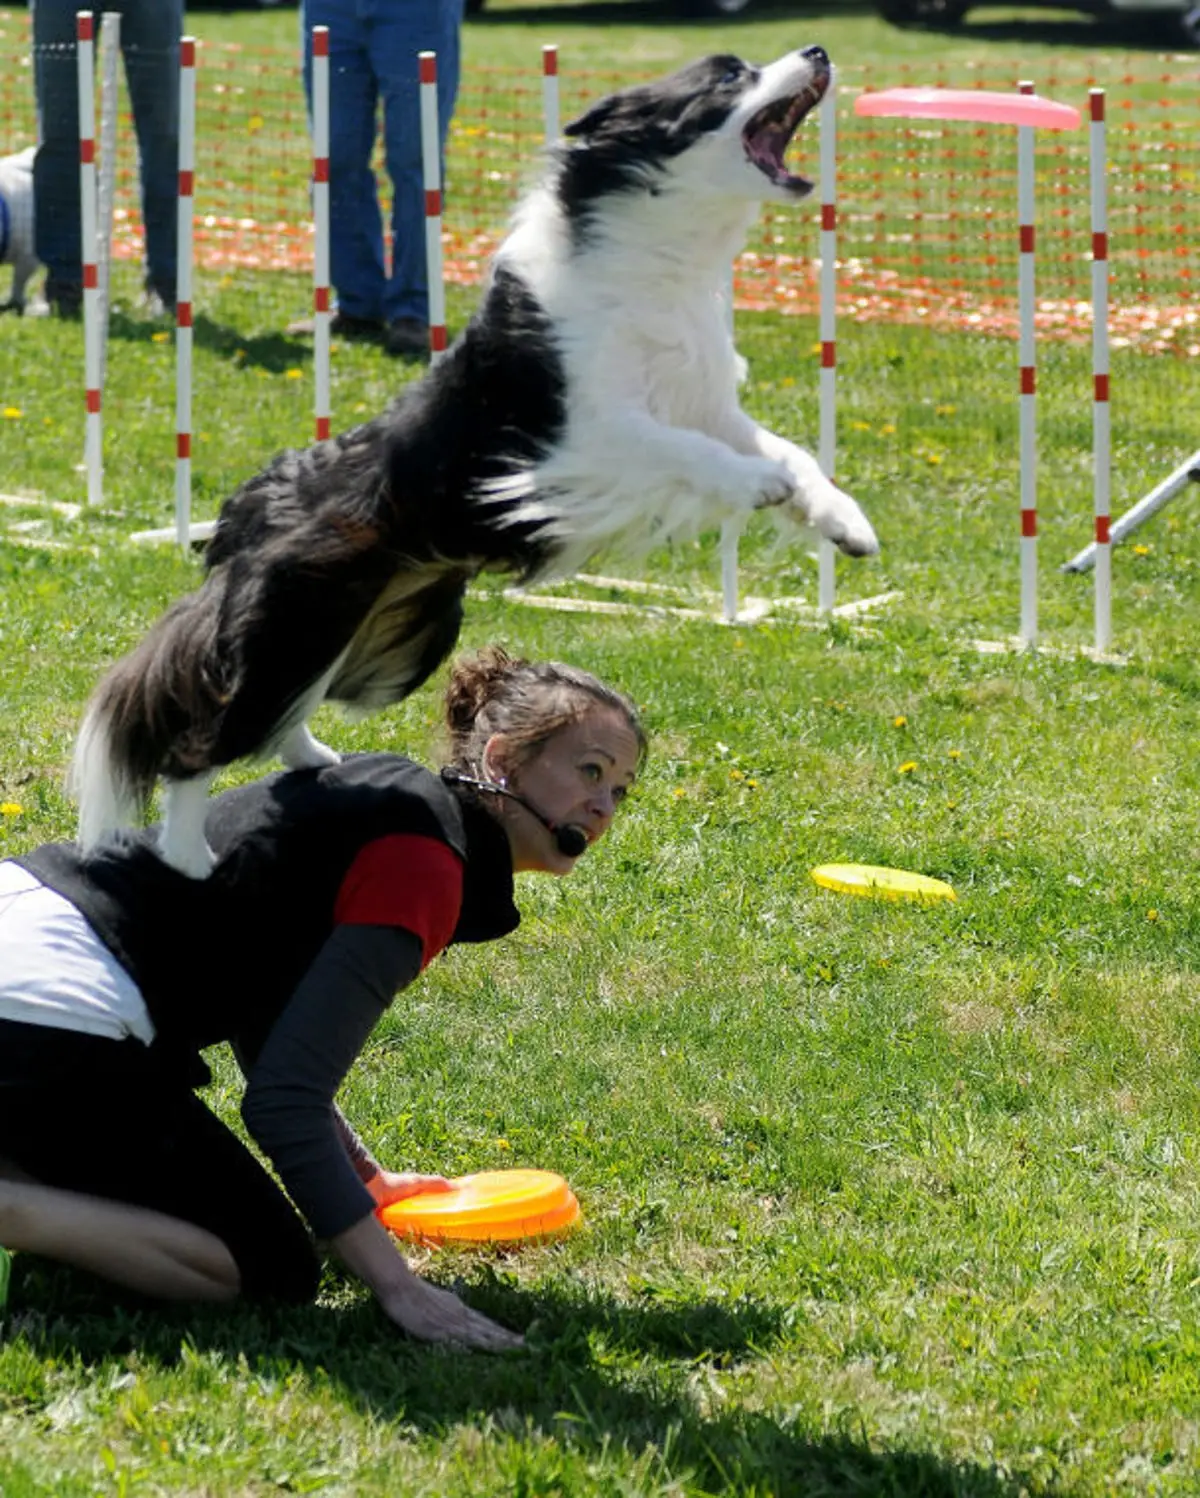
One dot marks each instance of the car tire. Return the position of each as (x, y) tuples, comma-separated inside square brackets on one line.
[(713, 9), (923, 12)]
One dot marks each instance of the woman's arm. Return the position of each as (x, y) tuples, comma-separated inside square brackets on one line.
[(289, 1110)]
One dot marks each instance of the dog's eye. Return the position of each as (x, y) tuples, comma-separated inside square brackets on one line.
[(731, 75)]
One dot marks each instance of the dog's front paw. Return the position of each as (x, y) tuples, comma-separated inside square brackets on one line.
[(839, 519), (771, 483)]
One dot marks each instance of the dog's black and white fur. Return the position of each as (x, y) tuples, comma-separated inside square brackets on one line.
[(591, 401), (16, 224)]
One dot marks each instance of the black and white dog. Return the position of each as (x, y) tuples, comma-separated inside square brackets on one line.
[(16, 224), (591, 402)]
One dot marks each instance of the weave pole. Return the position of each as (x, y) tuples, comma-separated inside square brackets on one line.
[(1101, 414), (432, 170), (183, 291), (827, 443), (92, 450), (550, 102), (320, 190), (1027, 360), (106, 176)]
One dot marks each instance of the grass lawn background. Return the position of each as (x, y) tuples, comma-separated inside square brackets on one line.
[(878, 1200)]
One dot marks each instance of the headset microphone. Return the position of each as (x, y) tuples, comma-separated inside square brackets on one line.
[(570, 840)]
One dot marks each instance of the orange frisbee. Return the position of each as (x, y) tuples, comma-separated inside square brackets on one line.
[(493, 1206)]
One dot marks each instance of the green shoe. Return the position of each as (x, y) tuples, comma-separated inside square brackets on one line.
[(5, 1275)]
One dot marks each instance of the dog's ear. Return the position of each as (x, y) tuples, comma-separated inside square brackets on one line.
[(599, 114)]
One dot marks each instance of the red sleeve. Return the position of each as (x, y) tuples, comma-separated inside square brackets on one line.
[(404, 880)]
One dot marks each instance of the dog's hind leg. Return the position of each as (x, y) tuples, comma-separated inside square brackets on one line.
[(181, 840), (300, 750)]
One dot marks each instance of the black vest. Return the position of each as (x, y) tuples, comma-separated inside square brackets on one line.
[(221, 956)]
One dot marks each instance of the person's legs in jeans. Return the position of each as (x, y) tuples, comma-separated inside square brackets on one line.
[(396, 38), (150, 31), (356, 227), (56, 167)]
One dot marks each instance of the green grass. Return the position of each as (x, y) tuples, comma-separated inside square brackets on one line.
[(878, 1200)]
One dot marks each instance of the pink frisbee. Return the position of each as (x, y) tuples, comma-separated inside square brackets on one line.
[(975, 104)]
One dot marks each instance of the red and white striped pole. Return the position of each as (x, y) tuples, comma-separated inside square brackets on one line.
[(183, 290), (321, 315), (432, 169), (550, 104), (1101, 414), (1027, 358), (106, 171), (92, 451), (827, 444)]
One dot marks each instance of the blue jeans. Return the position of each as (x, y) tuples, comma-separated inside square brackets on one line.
[(150, 31), (373, 46)]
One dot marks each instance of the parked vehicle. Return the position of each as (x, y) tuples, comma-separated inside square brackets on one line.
[(1176, 21)]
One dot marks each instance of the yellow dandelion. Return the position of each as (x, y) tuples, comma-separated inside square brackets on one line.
[(899, 721), (934, 458), (736, 774), (944, 410), (752, 783), (255, 122), (10, 809), (1141, 551), (788, 381), (679, 793), (954, 753), (860, 426), (815, 348), (907, 767), (1151, 915), (294, 374), (951, 805), (503, 1144), (13, 413), (887, 430), (160, 337), (739, 643)]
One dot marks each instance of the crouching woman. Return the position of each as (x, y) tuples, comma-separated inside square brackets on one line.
[(333, 889)]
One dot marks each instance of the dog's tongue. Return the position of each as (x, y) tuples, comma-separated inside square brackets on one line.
[(768, 139)]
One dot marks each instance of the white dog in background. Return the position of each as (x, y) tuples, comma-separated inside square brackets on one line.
[(16, 224)]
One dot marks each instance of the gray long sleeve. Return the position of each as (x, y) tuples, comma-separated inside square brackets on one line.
[(291, 1083)]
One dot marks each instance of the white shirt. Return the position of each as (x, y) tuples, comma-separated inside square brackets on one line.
[(55, 970)]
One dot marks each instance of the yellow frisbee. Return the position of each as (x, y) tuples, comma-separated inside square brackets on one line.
[(493, 1206), (881, 884)]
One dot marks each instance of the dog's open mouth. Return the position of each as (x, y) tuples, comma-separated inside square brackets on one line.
[(769, 133)]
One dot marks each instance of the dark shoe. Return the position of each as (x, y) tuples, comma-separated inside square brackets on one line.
[(64, 298), (407, 338), (341, 325)]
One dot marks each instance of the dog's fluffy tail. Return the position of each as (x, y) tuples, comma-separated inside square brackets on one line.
[(155, 713)]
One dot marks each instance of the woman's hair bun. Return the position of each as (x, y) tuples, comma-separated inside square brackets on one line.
[(474, 681)]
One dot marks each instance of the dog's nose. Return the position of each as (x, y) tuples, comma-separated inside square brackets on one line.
[(817, 55)]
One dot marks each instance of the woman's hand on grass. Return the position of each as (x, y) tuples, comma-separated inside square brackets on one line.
[(419, 1308), (435, 1315)]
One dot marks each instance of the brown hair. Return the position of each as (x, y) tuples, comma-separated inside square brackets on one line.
[(527, 702)]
